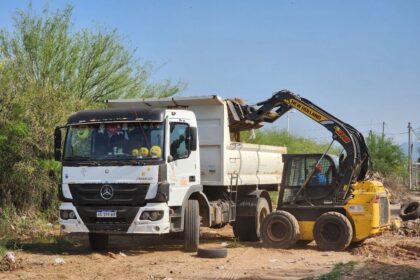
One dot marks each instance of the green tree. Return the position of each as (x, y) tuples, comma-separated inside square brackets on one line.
[(48, 71), (387, 157)]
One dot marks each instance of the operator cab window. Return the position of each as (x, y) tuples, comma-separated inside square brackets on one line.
[(178, 140), (298, 171), (323, 171)]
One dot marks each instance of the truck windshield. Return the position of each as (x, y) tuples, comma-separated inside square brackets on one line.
[(114, 141)]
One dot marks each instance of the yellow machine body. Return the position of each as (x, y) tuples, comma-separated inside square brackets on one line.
[(368, 211)]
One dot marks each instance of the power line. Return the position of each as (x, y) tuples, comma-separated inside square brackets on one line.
[(397, 133), (415, 134)]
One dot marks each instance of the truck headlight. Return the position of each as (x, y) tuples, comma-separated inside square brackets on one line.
[(151, 215), (67, 214), (72, 215)]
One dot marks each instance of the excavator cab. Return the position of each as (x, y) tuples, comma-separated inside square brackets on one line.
[(297, 169)]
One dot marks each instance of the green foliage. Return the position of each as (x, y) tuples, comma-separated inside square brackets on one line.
[(294, 144), (48, 71), (90, 65), (387, 157), (3, 250), (274, 195)]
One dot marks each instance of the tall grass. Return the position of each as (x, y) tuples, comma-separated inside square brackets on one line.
[(295, 144)]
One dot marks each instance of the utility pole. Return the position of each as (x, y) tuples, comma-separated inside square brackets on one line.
[(410, 158), (383, 131)]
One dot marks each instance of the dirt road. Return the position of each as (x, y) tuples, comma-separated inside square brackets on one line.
[(161, 258)]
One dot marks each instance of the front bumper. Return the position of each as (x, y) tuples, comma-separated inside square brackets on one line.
[(136, 226)]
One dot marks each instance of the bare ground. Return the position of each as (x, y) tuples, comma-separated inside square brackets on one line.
[(389, 256)]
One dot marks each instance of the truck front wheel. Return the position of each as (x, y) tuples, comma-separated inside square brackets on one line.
[(98, 241), (191, 226)]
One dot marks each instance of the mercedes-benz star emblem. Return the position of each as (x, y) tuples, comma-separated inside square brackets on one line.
[(107, 192)]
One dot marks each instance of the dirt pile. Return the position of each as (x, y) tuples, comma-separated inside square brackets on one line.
[(399, 191), (374, 269), (390, 245), (409, 228)]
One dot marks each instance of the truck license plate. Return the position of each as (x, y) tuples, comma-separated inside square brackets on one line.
[(106, 213)]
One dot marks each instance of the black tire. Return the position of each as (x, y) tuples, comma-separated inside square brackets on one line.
[(333, 232), (98, 241), (191, 226), (410, 211), (212, 253), (249, 228), (243, 227), (280, 229)]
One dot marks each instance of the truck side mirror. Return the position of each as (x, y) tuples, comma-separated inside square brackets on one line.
[(57, 144), (193, 138)]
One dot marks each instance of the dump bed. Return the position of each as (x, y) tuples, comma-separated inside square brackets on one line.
[(220, 158)]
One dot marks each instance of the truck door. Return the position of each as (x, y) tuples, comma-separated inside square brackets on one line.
[(182, 171)]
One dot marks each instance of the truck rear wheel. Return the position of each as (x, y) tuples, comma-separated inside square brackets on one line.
[(280, 229), (249, 228), (191, 226), (333, 232), (98, 241)]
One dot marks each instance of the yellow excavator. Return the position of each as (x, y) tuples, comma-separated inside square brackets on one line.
[(322, 197)]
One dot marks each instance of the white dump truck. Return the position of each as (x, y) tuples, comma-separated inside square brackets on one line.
[(160, 166)]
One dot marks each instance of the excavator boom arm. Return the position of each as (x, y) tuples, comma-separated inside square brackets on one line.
[(353, 168)]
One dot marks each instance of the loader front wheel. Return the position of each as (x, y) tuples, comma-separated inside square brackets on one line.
[(333, 232)]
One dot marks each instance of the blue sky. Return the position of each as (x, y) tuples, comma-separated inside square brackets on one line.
[(359, 60)]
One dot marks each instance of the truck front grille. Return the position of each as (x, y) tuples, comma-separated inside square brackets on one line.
[(123, 194), (121, 223), (383, 211)]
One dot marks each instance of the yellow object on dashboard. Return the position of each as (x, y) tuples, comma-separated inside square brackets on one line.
[(143, 151), (155, 151), (83, 132), (135, 152)]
